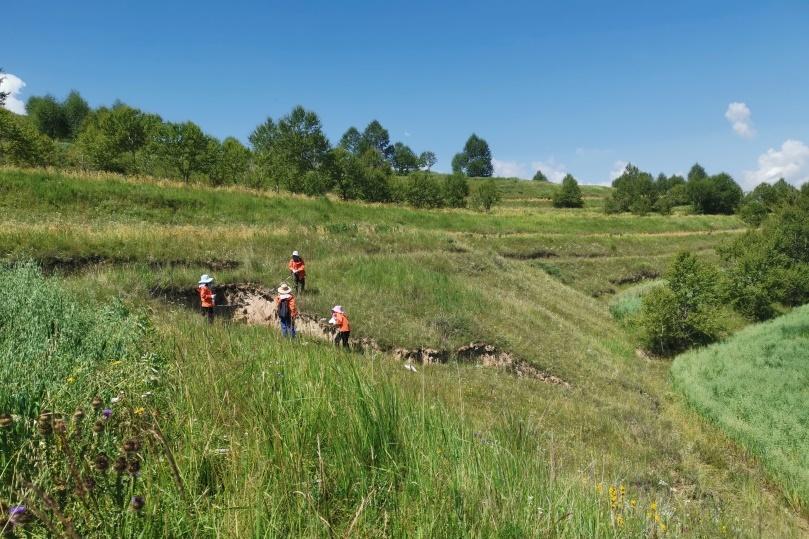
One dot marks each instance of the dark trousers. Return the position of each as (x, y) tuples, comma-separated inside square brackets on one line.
[(300, 284), (342, 337), (207, 312)]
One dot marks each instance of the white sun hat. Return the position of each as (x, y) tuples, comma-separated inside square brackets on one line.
[(295, 253), (284, 289), (205, 279), (338, 309)]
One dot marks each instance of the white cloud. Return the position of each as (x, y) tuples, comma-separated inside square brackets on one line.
[(13, 85), (510, 169), (407, 133), (551, 168), (618, 168), (791, 162), (738, 114)]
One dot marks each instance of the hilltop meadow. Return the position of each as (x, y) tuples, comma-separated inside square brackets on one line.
[(240, 433)]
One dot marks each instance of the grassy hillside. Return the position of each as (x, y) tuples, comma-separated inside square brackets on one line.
[(755, 386), (410, 278)]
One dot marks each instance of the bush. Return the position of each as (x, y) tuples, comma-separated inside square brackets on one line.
[(684, 312), (569, 195), (423, 191), (456, 189), (485, 196)]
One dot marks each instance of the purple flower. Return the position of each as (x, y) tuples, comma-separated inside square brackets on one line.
[(106, 413), (16, 510)]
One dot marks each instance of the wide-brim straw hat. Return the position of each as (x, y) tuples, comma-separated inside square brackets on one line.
[(338, 309), (205, 279), (284, 289)]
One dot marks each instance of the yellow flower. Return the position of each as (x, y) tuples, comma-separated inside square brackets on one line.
[(71, 379), (633, 503), (619, 521), (623, 491), (653, 505), (658, 519), (139, 410), (663, 528), (116, 362), (599, 488)]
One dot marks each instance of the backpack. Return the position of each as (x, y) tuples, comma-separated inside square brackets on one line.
[(284, 312)]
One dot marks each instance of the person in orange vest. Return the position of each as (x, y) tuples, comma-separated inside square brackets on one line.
[(286, 309), (339, 319), (207, 298), (298, 270)]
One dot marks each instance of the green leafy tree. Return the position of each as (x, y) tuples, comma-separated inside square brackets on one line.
[(111, 138), (427, 160), (718, 194), (183, 148), (634, 190), (3, 95), (697, 173), (475, 160), (765, 199), (685, 311), (365, 177), (569, 194), (377, 138), (459, 161), (351, 140), (230, 162), (22, 144), (540, 177), (47, 115), (287, 150), (424, 191), (485, 196), (75, 110), (404, 160), (456, 189)]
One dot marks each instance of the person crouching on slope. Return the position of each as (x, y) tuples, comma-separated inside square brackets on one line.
[(287, 310), (340, 321), (207, 298), (298, 270)]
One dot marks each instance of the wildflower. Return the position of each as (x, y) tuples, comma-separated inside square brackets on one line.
[(6, 421), (140, 410), (663, 527), (619, 521), (599, 488), (102, 463), (18, 514), (137, 503), (623, 491), (107, 413), (653, 506), (131, 446), (633, 503), (96, 402), (120, 464)]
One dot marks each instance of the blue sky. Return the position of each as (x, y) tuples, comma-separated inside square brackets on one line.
[(574, 86)]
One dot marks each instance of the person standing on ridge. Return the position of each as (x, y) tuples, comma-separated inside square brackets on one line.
[(340, 321), (298, 270), (207, 298), (286, 309)]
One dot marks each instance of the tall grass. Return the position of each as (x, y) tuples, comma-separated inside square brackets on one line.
[(754, 386)]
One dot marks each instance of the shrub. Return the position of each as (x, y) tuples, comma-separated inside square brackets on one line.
[(684, 312), (423, 191), (456, 189), (485, 196), (569, 195)]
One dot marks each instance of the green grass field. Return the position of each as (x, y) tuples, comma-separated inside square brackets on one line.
[(755, 387), (449, 451)]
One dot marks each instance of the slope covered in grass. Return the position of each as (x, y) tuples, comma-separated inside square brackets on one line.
[(409, 278), (755, 386)]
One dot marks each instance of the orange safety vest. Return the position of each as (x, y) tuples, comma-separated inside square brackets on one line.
[(293, 308), (342, 322), (205, 296), (299, 268)]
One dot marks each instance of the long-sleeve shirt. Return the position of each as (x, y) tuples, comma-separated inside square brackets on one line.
[(297, 267), (205, 295), (341, 321), (293, 308)]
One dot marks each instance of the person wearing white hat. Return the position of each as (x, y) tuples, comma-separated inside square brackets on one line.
[(286, 309), (207, 298), (298, 270), (339, 319)]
